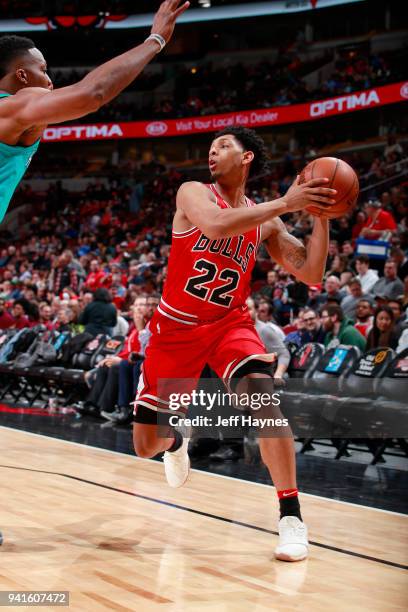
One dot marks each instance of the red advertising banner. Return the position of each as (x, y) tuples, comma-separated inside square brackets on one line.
[(370, 98)]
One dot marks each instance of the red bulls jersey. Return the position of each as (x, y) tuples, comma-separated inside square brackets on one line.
[(208, 278)]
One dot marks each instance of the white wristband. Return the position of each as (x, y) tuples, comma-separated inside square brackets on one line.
[(159, 39)]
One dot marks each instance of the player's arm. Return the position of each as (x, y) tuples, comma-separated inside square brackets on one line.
[(33, 107), (198, 204), (307, 264)]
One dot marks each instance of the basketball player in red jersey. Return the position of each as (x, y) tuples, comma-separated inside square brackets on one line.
[(202, 317)]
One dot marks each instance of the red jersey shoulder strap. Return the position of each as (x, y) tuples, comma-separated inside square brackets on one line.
[(220, 201), (249, 203)]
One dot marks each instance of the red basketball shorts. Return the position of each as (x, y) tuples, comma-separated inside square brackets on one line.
[(179, 353)]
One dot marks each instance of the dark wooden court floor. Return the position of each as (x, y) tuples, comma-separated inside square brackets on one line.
[(106, 527)]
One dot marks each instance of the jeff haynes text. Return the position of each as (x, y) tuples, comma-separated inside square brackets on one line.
[(237, 420)]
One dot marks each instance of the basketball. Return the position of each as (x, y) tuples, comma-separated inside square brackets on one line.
[(342, 178)]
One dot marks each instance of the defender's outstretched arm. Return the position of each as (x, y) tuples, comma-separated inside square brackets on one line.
[(36, 106)]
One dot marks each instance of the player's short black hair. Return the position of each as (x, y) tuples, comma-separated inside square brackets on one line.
[(251, 141), (10, 48)]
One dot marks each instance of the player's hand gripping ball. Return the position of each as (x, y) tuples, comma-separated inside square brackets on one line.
[(342, 178)]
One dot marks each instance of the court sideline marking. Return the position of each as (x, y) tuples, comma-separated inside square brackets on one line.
[(206, 514), (210, 474)]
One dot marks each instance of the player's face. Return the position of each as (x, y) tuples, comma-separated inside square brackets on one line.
[(35, 69), (225, 156)]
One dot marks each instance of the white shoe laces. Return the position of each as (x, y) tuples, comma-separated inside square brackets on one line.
[(294, 530)]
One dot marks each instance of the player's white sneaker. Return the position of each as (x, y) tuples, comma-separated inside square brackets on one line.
[(177, 465), (293, 544)]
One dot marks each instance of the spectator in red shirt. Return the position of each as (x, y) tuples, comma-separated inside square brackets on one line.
[(360, 222), (20, 319), (131, 359), (94, 280), (152, 302), (378, 221), (110, 278), (6, 320), (364, 317), (117, 374), (47, 317)]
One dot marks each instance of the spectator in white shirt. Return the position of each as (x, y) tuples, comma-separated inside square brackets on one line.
[(365, 274), (272, 341), (264, 314)]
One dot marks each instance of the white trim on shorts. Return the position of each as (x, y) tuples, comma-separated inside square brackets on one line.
[(165, 314), (186, 314), (267, 357)]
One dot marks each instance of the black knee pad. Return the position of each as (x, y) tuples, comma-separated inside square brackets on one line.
[(147, 416), (253, 366), (144, 415), (259, 388)]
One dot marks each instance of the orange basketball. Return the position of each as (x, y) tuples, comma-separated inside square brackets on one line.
[(342, 178)]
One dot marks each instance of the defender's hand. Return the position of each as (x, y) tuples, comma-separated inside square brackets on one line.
[(299, 197), (166, 16)]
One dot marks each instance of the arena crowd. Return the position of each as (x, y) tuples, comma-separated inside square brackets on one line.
[(96, 262)]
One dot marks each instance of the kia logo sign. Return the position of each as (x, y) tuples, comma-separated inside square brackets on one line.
[(157, 128), (404, 90)]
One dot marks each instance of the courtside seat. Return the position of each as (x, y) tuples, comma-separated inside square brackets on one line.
[(390, 414), (86, 358), (15, 345), (5, 336), (356, 415), (69, 380), (320, 380), (80, 361), (105, 347), (333, 364), (358, 386), (72, 380), (7, 377), (319, 401), (394, 383), (305, 359), (324, 386), (295, 395), (73, 376), (112, 346), (301, 367)]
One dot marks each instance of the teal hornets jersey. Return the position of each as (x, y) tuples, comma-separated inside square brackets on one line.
[(14, 161)]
